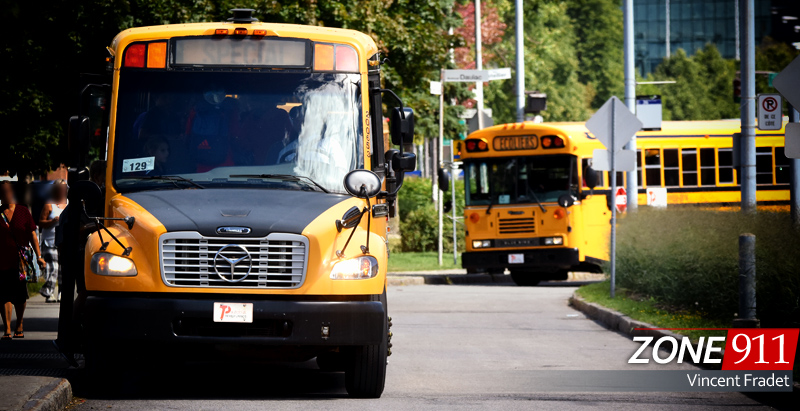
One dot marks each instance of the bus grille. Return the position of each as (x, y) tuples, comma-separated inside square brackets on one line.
[(517, 225), (189, 259)]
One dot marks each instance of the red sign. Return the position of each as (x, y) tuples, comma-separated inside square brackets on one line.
[(769, 104), (760, 349), (621, 200)]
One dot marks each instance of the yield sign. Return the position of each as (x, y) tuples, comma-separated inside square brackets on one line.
[(614, 125), (621, 199), (787, 82)]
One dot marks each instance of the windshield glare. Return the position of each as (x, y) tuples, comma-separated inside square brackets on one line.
[(518, 180), (208, 126)]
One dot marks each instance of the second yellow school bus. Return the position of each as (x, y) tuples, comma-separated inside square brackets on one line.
[(536, 207)]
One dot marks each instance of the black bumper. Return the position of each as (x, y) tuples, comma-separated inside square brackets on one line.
[(185, 321), (545, 259)]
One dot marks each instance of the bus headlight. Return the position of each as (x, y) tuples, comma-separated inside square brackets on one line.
[(113, 265), (481, 243), (553, 240), (359, 268)]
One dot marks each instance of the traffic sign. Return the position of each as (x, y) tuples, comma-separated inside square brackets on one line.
[(625, 159), (787, 82), (792, 140), (436, 87), (614, 125), (770, 112), (621, 199), (465, 76)]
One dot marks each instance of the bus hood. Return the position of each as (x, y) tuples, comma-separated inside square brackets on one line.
[(263, 211)]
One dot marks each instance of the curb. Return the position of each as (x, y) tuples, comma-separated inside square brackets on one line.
[(617, 321), (442, 279), (52, 397)]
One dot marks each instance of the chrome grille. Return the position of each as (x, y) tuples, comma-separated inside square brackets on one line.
[(516, 225), (276, 261)]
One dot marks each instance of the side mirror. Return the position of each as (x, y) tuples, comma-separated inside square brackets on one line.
[(350, 219), (566, 200), (362, 184), (79, 137), (402, 125), (443, 180), (591, 177)]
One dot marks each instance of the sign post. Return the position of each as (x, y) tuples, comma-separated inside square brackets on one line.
[(787, 82), (614, 125), (456, 76)]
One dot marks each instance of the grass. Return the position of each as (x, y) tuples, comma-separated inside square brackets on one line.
[(421, 261), (688, 257), (650, 310), (33, 288)]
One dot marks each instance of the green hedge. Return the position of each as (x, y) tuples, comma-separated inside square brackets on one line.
[(689, 257), (419, 220)]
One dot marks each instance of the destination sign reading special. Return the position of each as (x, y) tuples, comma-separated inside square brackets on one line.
[(508, 143), (204, 51)]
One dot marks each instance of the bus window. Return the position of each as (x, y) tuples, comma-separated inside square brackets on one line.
[(639, 168), (689, 158), (521, 180), (782, 166), (478, 183), (763, 165), (652, 167), (708, 167), (725, 158), (671, 167)]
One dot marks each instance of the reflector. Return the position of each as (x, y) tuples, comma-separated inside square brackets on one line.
[(259, 32), (134, 55), (547, 142), (323, 57), (346, 58), (221, 32), (240, 31), (157, 55)]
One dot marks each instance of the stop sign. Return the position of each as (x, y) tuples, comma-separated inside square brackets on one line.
[(621, 200)]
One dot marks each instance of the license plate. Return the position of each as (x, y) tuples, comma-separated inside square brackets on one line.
[(233, 312), (516, 258)]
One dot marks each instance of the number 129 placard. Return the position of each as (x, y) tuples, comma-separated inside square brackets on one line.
[(133, 165)]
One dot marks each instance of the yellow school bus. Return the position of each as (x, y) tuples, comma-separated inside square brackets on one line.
[(247, 194), (536, 207)]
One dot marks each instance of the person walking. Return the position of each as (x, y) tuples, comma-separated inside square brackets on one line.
[(17, 234), (48, 221)]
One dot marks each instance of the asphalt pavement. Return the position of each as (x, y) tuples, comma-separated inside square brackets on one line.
[(455, 346)]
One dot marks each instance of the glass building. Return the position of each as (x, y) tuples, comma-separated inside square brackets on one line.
[(693, 23)]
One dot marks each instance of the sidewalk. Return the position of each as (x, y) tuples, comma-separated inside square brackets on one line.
[(31, 371)]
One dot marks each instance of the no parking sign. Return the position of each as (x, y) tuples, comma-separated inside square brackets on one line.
[(770, 112)]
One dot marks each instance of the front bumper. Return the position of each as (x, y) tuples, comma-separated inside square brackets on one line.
[(545, 259), (185, 321)]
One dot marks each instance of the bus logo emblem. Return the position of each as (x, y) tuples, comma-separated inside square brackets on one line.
[(232, 254), (233, 230)]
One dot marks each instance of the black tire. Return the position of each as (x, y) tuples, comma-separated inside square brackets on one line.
[(365, 375), (525, 279)]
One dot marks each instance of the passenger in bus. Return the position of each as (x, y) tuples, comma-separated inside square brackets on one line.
[(263, 125), (165, 117), (212, 124), (287, 148), (157, 147)]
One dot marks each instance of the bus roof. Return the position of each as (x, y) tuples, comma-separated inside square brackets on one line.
[(363, 43)]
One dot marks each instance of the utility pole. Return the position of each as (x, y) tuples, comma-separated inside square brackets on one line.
[(737, 26), (440, 156), (630, 102), (748, 107), (794, 168), (478, 63), (520, 34)]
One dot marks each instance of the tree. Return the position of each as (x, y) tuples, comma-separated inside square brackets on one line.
[(551, 65), (599, 37)]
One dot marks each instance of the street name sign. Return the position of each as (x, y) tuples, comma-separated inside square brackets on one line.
[(770, 112), (465, 76), (499, 74), (436, 87)]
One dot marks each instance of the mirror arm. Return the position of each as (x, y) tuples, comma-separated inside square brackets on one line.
[(364, 249), (102, 227)]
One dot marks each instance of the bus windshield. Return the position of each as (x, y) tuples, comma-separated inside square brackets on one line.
[(520, 180), (224, 129)]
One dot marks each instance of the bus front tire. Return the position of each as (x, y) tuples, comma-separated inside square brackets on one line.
[(366, 374)]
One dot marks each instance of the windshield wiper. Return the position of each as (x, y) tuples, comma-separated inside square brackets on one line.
[(174, 179), (284, 177), (527, 187)]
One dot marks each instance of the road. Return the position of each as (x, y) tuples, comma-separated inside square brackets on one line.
[(466, 347)]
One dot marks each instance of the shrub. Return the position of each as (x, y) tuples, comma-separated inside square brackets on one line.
[(419, 220), (689, 257)]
